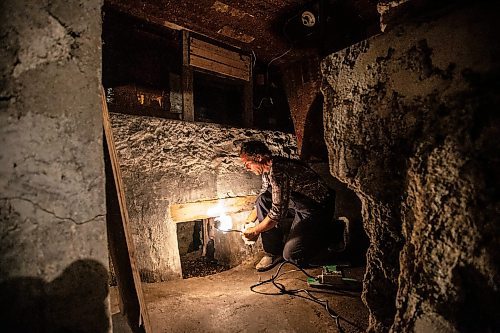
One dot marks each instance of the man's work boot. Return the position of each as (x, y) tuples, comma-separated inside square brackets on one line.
[(267, 262)]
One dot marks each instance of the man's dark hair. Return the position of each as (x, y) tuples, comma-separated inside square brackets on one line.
[(255, 149)]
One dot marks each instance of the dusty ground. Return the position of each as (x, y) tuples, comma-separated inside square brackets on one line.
[(223, 302)]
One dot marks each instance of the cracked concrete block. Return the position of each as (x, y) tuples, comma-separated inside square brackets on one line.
[(53, 249)]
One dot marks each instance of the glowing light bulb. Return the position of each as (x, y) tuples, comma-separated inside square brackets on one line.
[(226, 222)]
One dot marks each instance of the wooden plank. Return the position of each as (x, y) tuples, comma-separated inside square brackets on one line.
[(219, 50), (219, 68), (218, 54), (122, 244), (173, 26), (242, 64), (205, 238), (225, 53), (118, 251), (187, 80), (191, 211)]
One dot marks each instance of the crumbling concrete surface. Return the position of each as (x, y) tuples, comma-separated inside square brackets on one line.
[(53, 250), (412, 125), (165, 162)]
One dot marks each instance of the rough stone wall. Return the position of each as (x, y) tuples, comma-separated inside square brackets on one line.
[(53, 248), (167, 161), (412, 125)]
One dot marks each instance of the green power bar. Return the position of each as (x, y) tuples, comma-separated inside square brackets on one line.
[(333, 276)]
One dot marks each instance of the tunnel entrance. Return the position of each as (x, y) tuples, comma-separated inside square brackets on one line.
[(196, 241)]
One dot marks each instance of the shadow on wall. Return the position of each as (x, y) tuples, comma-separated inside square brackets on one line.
[(73, 302)]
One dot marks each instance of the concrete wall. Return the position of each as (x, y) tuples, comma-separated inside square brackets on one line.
[(412, 125), (53, 248), (167, 161)]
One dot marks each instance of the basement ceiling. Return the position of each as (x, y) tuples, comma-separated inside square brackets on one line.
[(271, 29)]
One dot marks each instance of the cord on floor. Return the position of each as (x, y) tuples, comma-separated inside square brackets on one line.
[(295, 292)]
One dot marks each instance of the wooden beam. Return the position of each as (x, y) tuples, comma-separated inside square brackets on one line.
[(174, 26), (187, 80), (191, 211), (219, 54), (205, 237), (219, 68), (241, 64), (122, 249)]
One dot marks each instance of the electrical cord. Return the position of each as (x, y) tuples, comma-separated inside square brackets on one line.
[(229, 230), (295, 292), (281, 55)]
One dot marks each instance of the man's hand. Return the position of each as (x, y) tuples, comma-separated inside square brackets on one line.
[(250, 234)]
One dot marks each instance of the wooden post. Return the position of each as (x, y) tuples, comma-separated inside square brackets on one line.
[(187, 80), (205, 237)]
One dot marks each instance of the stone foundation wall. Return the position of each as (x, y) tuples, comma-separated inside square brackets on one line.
[(412, 125), (166, 162)]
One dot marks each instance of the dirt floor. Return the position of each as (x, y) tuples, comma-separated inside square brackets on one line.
[(223, 302), (195, 265)]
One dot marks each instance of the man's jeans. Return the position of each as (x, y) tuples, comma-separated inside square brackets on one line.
[(308, 233)]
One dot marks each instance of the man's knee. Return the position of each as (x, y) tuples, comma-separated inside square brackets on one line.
[(294, 253)]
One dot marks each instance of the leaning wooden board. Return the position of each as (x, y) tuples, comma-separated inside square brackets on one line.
[(121, 245)]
